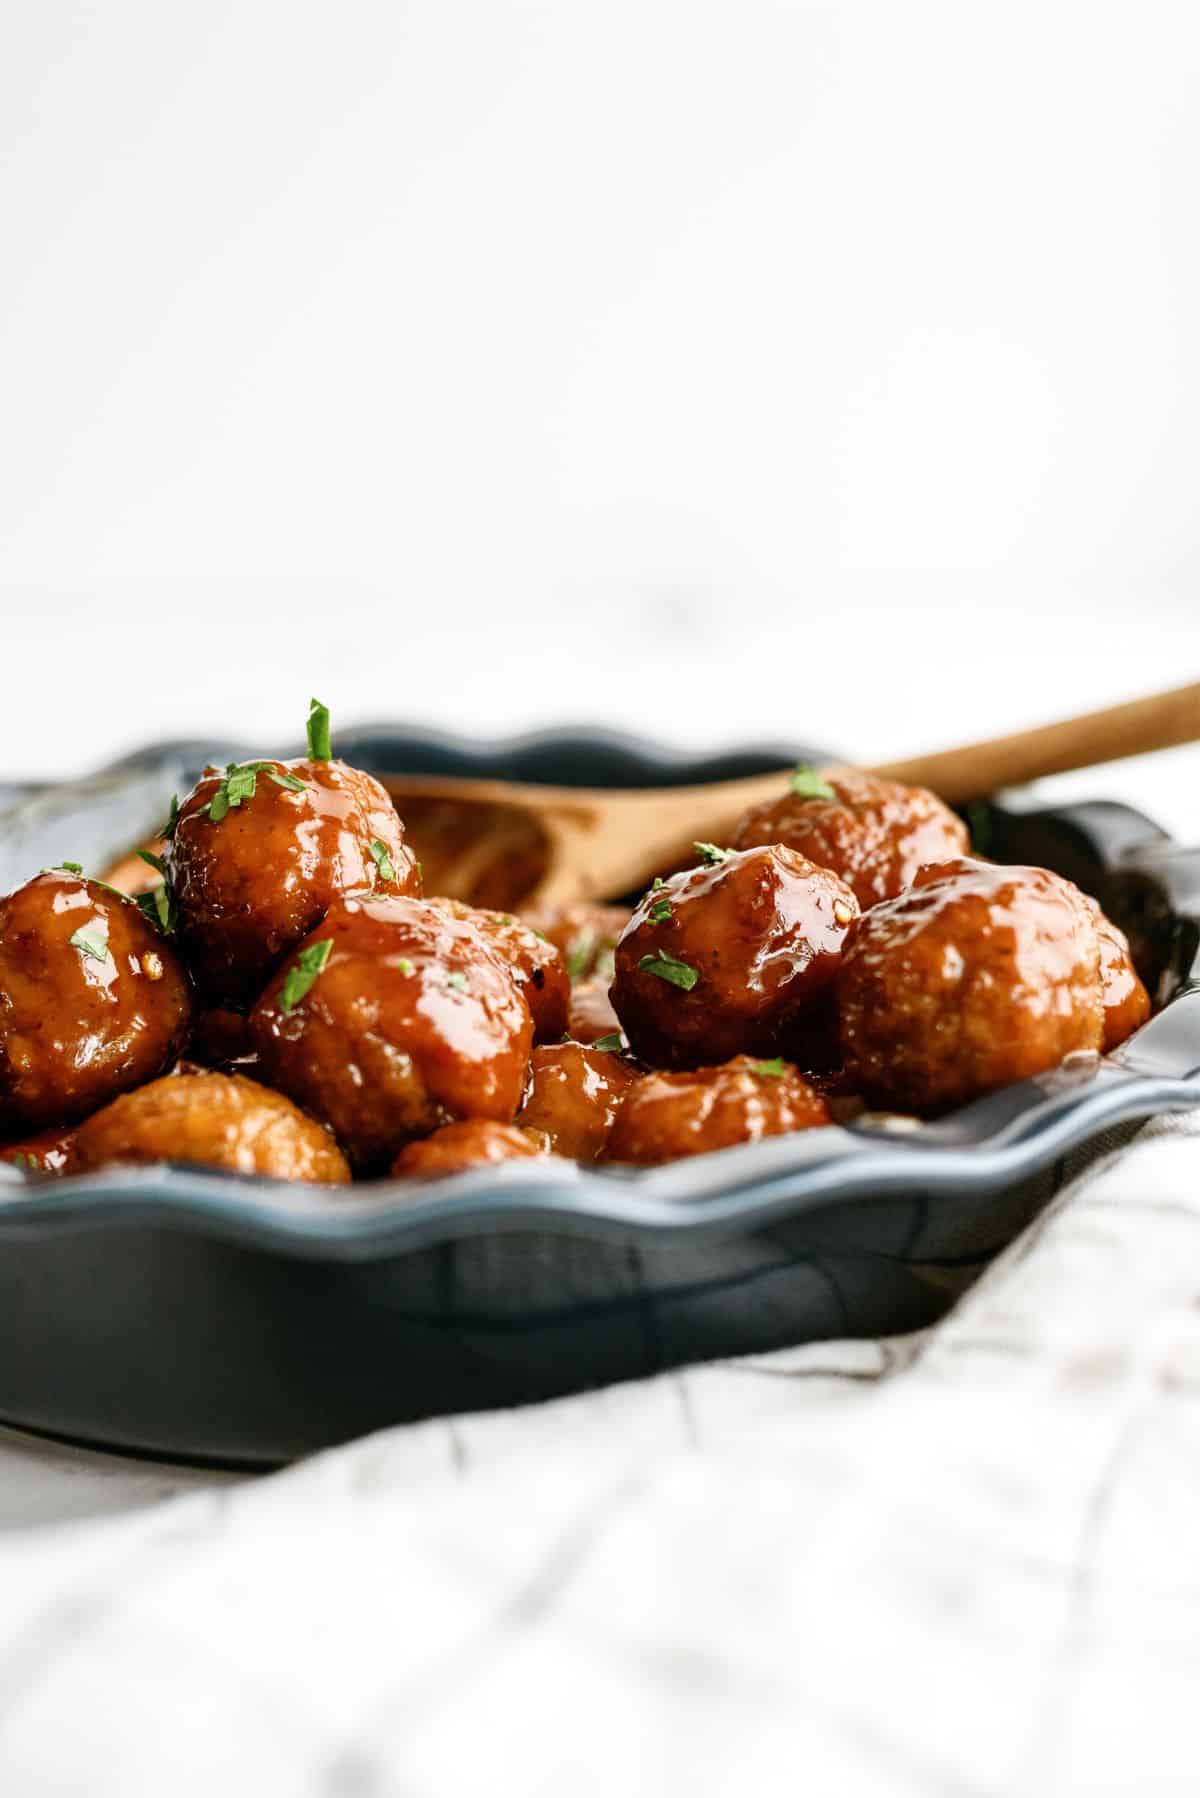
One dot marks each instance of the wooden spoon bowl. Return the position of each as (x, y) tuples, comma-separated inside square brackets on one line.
[(509, 843)]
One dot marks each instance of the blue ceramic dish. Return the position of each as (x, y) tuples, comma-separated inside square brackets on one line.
[(176, 1311)]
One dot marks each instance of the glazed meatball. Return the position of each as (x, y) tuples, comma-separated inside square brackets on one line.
[(257, 854), (535, 963), (586, 934), (474, 1142), (394, 1018), (592, 1018), (93, 1000), (875, 834), (1126, 1001), (215, 1120), (575, 1093), (50, 1152), (664, 1117), (728, 958), (978, 976)]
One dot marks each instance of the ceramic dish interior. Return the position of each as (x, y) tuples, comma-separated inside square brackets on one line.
[(175, 1310)]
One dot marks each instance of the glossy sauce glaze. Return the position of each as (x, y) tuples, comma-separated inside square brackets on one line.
[(725, 959), (412, 1023), (536, 965), (250, 884), (216, 1120), (92, 1000), (978, 976), (587, 935), (575, 1093), (874, 834), (666, 1116), (474, 1142), (1126, 1001)]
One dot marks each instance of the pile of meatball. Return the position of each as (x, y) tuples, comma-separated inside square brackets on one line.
[(283, 999)]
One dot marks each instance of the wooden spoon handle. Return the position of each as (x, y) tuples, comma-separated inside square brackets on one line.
[(1162, 721)]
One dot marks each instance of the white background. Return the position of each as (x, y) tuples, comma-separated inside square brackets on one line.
[(715, 371)]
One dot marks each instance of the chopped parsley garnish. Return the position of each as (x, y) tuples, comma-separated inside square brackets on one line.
[(457, 981), (92, 939), (712, 853), (320, 747), (302, 974), (776, 1067), (657, 882), (580, 954), (67, 868), (614, 1042), (172, 824), (159, 906), (806, 783), (382, 860), (661, 912), (979, 823), (241, 782), (666, 967), (403, 965), (153, 861)]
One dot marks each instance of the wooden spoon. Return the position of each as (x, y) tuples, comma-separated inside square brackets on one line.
[(509, 843)]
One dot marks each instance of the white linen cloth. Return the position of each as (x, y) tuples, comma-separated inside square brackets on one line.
[(966, 1562)]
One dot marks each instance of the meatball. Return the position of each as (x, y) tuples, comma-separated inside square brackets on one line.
[(258, 853), (586, 934), (978, 976), (215, 1120), (574, 1095), (474, 1142), (93, 1000), (664, 1117), (221, 1039), (394, 1018), (50, 1152), (727, 958), (875, 834), (535, 963), (591, 1016), (1126, 1001)]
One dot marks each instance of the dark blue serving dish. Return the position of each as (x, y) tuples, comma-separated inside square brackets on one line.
[(176, 1311)]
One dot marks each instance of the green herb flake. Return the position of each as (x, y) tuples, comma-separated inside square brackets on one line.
[(302, 974), (240, 782), (382, 860), (580, 954), (661, 912), (656, 883), (457, 981), (159, 906), (775, 1068), (67, 868), (403, 965), (614, 1042), (320, 745), (979, 823), (92, 939), (153, 861), (666, 967), (806, 783), (712, 853)]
